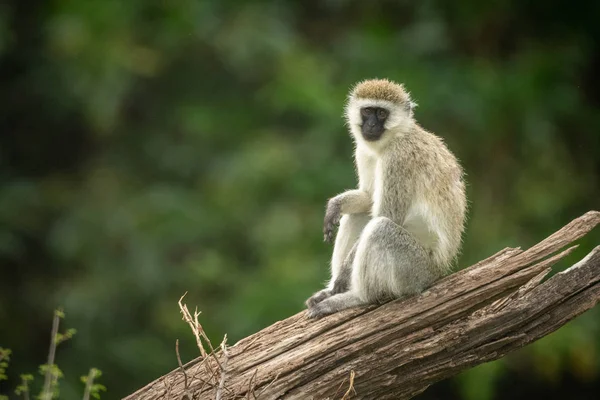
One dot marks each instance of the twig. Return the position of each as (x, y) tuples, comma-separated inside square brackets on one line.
[(212, 375), (210, 378), (88, 384), (351, 387), (250, 388), (186, 392), (25, 391), (204, 382), (223, 370), (49, 376), (205, 337), (199, 332), (194, 325), (339, 387), (168, 386)]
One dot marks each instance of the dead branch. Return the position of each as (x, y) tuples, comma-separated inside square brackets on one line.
[(186, 393), (398, 349)]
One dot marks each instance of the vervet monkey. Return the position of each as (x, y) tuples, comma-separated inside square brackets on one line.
[(401, 229)]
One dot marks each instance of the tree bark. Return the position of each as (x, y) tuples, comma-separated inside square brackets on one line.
[(396, 350)]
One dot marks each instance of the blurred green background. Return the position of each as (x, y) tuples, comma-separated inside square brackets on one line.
[(149, 148)]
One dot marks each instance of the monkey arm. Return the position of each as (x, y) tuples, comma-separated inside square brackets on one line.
[(350, 202)]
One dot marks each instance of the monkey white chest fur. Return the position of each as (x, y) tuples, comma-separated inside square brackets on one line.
[(373, 181), (402, 228)]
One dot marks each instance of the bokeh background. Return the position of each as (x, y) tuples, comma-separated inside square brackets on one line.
[(154, 147)]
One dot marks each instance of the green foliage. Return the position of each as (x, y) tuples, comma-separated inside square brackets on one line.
[(4, 359), (55, 374), (23, 388), (61, 337), (153, 148), (93, 388), (51, 372)]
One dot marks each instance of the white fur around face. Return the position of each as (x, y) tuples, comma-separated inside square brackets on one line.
[(398, 121)]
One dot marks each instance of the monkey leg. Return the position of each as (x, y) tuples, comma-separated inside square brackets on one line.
[(389, 263), (341, 283), (351, 226), (333, 304)]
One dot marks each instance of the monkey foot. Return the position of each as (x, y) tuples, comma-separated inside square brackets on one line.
[(318, 297)]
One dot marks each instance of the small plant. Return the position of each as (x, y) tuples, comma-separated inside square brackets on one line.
[(92, 389), (50, 370), (23, 388), (4, 359)]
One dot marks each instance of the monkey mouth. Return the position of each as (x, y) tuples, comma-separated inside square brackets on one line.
[(372, 135)]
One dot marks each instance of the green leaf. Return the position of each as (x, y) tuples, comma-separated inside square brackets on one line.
[(26, 377)]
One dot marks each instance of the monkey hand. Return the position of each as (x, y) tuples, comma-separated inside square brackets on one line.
[(332, 218)]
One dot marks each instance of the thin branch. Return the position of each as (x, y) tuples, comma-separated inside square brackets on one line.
[(223, 369), (186, 392), (339, 387), (168, 388), (351, 387), (193, 323), (250, 387), (88, 384), (25, 387), (49, 375)]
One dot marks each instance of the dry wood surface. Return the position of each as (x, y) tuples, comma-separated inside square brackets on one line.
[(398, 349)]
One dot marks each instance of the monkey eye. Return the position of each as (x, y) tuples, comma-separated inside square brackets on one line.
[(382, 114), (366, 111)]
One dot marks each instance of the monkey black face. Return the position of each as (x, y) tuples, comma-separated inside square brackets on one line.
[(373, 121)]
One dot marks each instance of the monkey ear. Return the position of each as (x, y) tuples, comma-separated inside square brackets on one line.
[(410, 106)]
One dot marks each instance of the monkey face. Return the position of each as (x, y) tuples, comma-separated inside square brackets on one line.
[(373, 122)]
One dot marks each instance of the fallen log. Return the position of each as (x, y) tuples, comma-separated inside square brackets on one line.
[(398, 349)]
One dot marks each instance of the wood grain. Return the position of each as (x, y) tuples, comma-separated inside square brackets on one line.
[(396, 350)]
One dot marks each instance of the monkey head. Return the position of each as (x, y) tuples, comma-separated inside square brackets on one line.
[(378, 108)]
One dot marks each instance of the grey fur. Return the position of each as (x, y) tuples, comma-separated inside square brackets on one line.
[(349, 202), (413, 187), (393, 264), (344, 277), (341, 283)]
